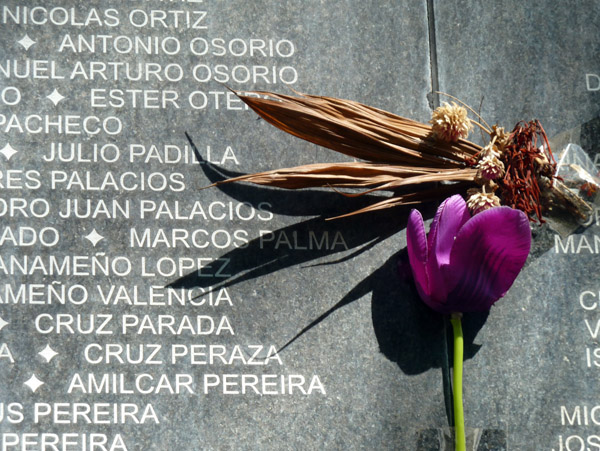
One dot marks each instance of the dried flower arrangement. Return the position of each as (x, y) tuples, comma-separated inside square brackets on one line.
[(515, 169)]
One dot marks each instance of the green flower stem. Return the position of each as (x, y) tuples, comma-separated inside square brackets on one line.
[(459, 416)]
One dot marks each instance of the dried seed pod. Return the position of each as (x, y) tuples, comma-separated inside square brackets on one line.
[(450, 122), (479, 201), (490, 167)]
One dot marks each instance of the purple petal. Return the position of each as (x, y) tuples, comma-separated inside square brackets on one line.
[(488, 254), (416, 243), (451, 215)]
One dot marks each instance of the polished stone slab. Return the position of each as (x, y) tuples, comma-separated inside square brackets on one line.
[(512, 61), (369, 361), (175, 60)]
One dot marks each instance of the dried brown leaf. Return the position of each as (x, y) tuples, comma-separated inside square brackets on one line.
[(356, 175), (416, 198), (359, 130)]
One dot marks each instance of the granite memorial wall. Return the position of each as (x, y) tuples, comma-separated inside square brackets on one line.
[(139, 311)]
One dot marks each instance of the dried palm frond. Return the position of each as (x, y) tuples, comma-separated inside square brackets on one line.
[(359, 131), (353, 175), (399, 152)]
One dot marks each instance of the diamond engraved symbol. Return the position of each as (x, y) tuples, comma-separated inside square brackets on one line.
[(48, 353), (94, 237), (2, 323), (8, 151), (26, 42), (55, 97), (33, 383)]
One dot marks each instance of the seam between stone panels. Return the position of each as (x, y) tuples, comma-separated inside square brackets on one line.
[(434, 100)]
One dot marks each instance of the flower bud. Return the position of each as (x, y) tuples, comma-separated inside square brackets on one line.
[(450, 122), (490, 167), (491, 150), (479, 201), (502, 137)]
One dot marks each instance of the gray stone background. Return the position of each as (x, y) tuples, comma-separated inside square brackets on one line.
[(379, 353)]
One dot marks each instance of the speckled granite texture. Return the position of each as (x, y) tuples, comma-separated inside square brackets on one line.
[(164, 302)]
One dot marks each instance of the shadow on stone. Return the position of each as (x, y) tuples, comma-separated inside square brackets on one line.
[(590, 136), (442, 439), (408, 332), (300, 243)]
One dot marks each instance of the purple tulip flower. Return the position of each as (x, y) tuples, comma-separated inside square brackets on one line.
[(465, 263)]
